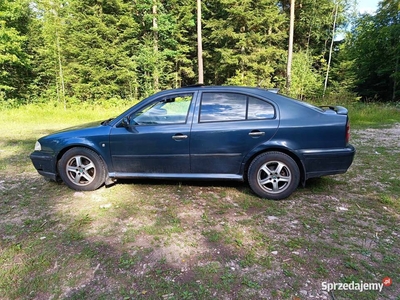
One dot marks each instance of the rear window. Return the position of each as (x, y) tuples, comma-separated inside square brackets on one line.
[(220, 107), (306, 104), (259, 109)]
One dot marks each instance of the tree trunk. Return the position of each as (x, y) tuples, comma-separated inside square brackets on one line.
[(290, 51), (396, 69), (331, 48), (310, 29), (155, 41), (199, 44), (60, 69)]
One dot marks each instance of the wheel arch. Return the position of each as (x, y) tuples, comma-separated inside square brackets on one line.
[(276, 149), (65, 149)]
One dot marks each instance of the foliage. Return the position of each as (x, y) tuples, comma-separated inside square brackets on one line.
[(373, 52), (305, 79), (14, 53), (314, 19), (243, 48), (74, 51), (164, 53)]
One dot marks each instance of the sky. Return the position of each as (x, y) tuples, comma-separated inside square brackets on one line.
[(367, 6)]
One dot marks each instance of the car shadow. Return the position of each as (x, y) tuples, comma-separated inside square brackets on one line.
[(240, 186)]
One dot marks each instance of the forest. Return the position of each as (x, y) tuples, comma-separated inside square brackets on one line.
[(72, 51)]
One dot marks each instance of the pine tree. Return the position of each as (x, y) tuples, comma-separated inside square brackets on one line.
[(242, 45), (166, 45), (47, 40), (100, 38), (15, 67), (372, 52)]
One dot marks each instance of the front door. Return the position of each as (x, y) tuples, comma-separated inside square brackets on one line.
[(156, 140)]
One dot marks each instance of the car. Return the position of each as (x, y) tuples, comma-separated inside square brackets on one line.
[(273, 142)]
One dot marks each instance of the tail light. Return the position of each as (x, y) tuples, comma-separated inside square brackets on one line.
[(347, 131)]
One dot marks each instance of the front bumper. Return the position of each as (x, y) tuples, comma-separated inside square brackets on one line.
[(321, 162), (45, 164)]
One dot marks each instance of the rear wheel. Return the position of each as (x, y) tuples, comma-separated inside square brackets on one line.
[(82, 169), (273, 175)]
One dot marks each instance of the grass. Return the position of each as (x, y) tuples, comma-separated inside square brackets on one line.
[(373, 115), (196, 240), (367, 115)]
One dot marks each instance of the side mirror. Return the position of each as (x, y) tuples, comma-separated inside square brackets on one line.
[(124, 122)]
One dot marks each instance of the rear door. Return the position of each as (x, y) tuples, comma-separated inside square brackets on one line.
[(226, 127)]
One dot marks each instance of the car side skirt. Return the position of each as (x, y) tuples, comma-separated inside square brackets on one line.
[(183, 176)]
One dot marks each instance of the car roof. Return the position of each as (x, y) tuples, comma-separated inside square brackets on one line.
[(271, 94), (225, 88)]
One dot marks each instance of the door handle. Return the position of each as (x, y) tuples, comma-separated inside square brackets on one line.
[(257, 133), (179, 136)]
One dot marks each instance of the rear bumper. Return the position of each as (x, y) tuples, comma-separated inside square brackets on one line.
[(44, 163), (321, 162)]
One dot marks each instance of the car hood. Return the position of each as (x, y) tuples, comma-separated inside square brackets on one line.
[(81, 126), (77, 134)]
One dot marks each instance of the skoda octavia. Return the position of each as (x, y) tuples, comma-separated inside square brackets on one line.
[(248, 134)]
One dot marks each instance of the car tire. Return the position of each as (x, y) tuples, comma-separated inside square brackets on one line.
[(82, 169), (273, 175)]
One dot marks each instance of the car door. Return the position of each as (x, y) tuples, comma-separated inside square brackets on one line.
[(227, 127), (156, 138)]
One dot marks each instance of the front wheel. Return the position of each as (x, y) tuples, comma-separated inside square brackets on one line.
[(82, 169), (273, 175)]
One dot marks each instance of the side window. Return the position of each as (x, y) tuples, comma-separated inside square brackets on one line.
[(259, 109), (222, 107), (218, 107), (170, 110)]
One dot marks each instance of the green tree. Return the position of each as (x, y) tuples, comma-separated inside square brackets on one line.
[(102, 49), (306, 81), (182, 42), (166, 45), (374, 50), (47, 40), (316, 21), (243, 42), (99, 40), (93, 49), (14, 55)]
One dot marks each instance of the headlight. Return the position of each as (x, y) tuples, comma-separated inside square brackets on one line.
[(38, 147)]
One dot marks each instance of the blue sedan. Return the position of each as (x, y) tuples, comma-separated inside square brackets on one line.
[(249, 134)]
